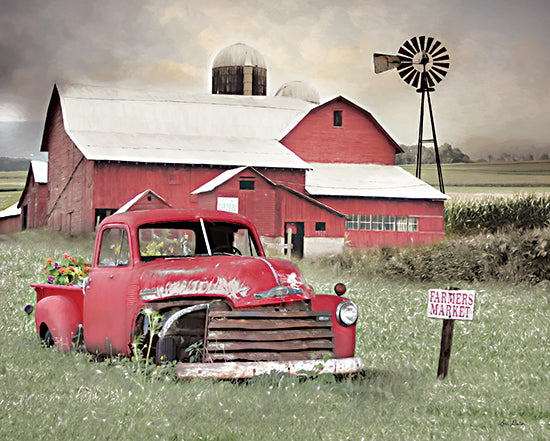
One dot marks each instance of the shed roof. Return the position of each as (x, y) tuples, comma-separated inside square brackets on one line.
[(11, 211), (171, 126), (367, 180)]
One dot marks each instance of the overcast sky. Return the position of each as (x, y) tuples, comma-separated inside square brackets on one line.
[(496, 96)]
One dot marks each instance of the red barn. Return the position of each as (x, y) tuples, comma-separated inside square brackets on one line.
[(322, 172)]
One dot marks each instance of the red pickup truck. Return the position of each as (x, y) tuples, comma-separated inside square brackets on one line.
[(206, 274)]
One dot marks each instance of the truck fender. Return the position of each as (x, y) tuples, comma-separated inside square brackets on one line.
[(61, 316)]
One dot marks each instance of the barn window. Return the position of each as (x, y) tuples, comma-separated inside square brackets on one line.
[(401, 223), (389, 223), (320, 226), (247, 184), (365, 222), (352, 222), (377, 222), (413, 224), (337, 118)]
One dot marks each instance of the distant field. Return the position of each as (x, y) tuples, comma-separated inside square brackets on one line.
[(494, 178), (11, 186)]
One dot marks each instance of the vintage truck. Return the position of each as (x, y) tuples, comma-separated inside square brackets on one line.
[(206, 274)]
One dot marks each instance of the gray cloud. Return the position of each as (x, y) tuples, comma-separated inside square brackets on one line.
[(496, 95)]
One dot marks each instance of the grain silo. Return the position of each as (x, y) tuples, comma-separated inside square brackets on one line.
[(239, 70)]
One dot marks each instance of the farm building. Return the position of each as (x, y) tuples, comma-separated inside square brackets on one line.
[(324, 173)]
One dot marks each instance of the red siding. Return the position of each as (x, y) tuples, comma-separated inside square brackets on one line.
[(358, 141), (269, 207), (10, 224), (428, 213), (35, 202), (117, 183), (69, 180)]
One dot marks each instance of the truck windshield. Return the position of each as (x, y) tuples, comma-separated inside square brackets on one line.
[(183, 239)]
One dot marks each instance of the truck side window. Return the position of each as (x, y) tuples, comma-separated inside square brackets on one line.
[(114, 248)]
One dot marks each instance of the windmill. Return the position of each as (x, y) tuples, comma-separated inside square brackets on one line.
[(421, 62)]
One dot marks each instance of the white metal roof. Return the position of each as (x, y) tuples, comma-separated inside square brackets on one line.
[(40, 171), (12, 210), (136, 198), (367, 180), (168, 125), (218, 180)]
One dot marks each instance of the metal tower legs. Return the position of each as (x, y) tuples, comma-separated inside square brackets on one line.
[(426, 92)]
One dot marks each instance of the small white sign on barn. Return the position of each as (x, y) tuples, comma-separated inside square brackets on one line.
[(228, 204), (451, 304)]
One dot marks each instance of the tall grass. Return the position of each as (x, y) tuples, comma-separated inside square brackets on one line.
[(497, 388), (494, 213)]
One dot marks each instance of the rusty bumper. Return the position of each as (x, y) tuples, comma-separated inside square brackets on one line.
[(231, 370)]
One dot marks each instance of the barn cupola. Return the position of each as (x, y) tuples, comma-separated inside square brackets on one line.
[(239, 70), (301, 90)]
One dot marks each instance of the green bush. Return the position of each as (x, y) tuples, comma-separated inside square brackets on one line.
[(514, 256)]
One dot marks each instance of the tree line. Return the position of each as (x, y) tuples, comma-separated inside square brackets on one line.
[(447, 155)]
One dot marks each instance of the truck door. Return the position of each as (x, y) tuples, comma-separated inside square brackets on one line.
[(105, 301)]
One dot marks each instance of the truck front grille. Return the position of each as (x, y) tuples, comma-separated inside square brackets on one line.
[(268, 335)]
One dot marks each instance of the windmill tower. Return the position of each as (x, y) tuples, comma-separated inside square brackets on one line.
[(421, 62)]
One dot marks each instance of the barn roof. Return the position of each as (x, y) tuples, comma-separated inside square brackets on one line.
[(171, 126), (11, 211), (367, 180)]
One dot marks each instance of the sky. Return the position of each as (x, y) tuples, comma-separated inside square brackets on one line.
[(494, 99)]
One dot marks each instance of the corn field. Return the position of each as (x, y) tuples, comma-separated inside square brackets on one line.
[(523, 212)]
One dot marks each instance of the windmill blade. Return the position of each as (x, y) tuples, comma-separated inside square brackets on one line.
[(441, 72), (422, 40), (405, 53), (434, 76), (439, 52), (384, 62), (429, 44), (416, 80), (403, 73), (414, 42), (408, 46)]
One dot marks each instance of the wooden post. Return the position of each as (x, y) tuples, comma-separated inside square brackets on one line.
[(446, 345), (289, 241)]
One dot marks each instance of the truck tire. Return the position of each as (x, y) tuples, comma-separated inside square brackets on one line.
[(166, 351), (48, 339)]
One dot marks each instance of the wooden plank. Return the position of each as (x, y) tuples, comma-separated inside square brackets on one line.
[(268, 324), (282, 335), (293, 345)]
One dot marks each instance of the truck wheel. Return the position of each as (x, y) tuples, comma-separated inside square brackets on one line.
[(48, 339), (166, 351)]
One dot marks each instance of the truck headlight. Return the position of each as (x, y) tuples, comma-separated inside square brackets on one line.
[(347, 313)]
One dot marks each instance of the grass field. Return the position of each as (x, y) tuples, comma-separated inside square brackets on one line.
[(11, 185), (495, 178), (497, 388)]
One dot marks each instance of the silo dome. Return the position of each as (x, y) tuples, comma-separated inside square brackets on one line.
[(239, 54), (239, 70), (300, 90)]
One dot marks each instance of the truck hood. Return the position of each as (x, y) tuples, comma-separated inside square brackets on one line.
[(244, 281)]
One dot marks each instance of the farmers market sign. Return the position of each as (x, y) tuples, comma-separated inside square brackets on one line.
[(451, 304)]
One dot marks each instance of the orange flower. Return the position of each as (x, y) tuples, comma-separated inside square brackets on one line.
[(71, 268), (49, 260), (63, 270), (66, 255)]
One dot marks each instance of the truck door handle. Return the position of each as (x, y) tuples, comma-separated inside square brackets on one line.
[(85, 282)]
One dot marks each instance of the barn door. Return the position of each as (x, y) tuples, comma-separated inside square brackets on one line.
[(297, 237)]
